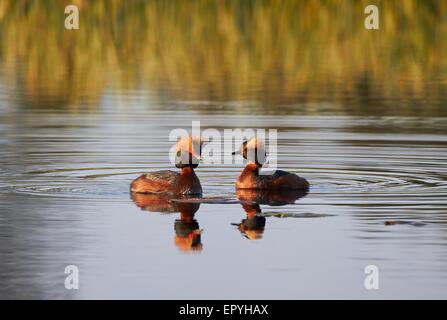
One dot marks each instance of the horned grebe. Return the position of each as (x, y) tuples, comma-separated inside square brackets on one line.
[(188, 151), (254, 151)]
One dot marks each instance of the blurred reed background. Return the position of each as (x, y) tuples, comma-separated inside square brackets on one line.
[(275, 53)]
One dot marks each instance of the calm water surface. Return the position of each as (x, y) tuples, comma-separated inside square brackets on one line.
[(64, 200), (369, 131)]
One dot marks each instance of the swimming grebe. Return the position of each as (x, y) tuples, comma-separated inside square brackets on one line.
[(188, 151), (254, 151)]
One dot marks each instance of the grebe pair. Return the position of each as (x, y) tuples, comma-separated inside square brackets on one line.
[(186, 181)]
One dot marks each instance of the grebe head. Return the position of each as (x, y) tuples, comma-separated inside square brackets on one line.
[(188, 152), (254, 151)]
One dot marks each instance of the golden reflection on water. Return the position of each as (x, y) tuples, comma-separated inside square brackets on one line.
[(271, 52)]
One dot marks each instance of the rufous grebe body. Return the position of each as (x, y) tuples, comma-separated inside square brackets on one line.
[(250, 178), (185, 182)]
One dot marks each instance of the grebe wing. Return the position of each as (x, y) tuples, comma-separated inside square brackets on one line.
[(166, 176), (155, 182), (280, 173), (287, 180)]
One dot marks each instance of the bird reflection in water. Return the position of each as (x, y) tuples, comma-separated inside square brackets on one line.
[(252, 227), (187, 231)]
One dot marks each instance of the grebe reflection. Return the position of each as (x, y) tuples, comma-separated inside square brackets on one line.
[(252, 227), (187, 231)]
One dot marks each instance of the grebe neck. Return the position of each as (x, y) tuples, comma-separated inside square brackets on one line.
[(253, 167), (185, 171)]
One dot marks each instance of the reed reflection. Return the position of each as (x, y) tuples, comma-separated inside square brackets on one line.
[(274, 52), (187, 231), (252, 227)]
